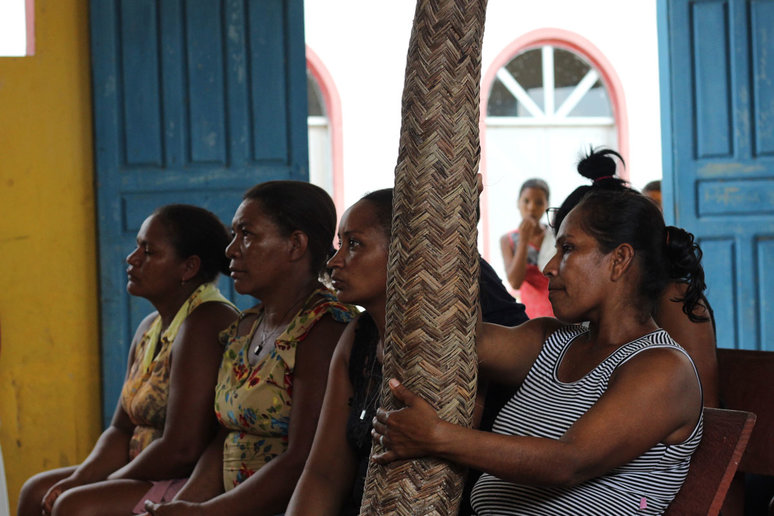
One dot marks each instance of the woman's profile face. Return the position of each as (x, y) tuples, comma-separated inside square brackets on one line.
[(154, 270), (360, 265), (533, 203), (256, 251), (577, 274)]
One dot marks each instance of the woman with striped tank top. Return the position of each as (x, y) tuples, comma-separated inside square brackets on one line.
[(608, 412)]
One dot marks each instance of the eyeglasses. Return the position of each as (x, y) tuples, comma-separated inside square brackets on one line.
[(551, 216)]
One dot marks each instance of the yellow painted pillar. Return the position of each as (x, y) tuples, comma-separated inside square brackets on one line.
[(49, 357)]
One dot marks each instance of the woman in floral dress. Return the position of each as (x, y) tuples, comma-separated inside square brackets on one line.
[(275, 365), (163, 421)]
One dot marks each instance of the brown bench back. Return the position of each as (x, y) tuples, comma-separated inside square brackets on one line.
[(726, 433)]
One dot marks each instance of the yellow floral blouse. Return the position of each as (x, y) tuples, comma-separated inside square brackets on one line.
[(254, 402), (146, 389)]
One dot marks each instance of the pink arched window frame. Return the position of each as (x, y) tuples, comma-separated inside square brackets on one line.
[(332, 102), (569, 41), (30, 12)]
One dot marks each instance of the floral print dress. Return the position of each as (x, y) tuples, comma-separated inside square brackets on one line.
[(254, 402), (146, 389)]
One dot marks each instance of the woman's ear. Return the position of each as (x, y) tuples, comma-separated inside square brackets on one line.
[(622, 260), (299, 241), (190, 266)]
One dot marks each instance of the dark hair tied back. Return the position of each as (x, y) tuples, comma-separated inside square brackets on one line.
[(382, 202), (195, 231), (599, 166), (684, 258)]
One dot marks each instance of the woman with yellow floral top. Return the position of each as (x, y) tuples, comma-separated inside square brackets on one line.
[(163, 421), (275, 365)]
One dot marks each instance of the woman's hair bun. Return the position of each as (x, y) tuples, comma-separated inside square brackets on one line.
[(599, 163)]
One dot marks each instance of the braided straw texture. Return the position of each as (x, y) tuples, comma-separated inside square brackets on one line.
[(433, 268)]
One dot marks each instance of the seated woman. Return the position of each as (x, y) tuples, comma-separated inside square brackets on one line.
[(164, 420), (607, 415), (687, 319), (334, 476), (271, 382)]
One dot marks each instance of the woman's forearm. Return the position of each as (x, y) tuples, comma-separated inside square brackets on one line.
[(516, 268), (206, 481), (511, 458), (162, 459), (318, 492), (266, 492), (110, 453)]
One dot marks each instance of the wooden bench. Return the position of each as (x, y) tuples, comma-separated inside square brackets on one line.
[(726, 433), (746, 381)]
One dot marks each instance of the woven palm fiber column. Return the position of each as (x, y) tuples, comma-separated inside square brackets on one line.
[(432, 279)]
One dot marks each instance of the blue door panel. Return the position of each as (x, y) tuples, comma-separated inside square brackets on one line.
[(268, 85), (753, 197), (762, 15), (765, 267), (709, 29), (206, 82), (194, 102), (173, 87), (718, 118), (140, 76), (721, 294)]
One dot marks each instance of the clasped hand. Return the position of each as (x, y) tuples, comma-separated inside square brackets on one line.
[(408, 432), (174, 508), (54, 492)]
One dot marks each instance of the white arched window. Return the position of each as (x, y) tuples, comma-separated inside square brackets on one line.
[(324, 130), (546, 103), (549, 86), (320, 165)]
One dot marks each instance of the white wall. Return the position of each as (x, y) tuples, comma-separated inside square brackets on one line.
[(363, 44), (624, 32)]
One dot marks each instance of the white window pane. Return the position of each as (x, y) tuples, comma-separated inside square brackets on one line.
[(548, 82), (13, 28)]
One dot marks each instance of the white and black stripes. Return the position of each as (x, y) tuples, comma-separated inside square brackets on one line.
[(545, 407)]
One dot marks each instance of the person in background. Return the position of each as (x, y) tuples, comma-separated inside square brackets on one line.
[(652, 191), (271, 383), (527, 249), (609, 408), (163, 420), (688, 320)]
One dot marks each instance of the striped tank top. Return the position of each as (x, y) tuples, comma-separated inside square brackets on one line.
[(545, 407)]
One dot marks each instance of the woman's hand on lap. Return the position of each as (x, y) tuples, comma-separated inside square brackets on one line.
[(174, 508), (55, 491)]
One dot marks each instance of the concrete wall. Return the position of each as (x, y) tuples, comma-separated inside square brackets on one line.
[(49, 363)]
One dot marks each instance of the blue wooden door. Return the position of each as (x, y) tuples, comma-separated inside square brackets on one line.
[(717, 77), (194, 102)]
